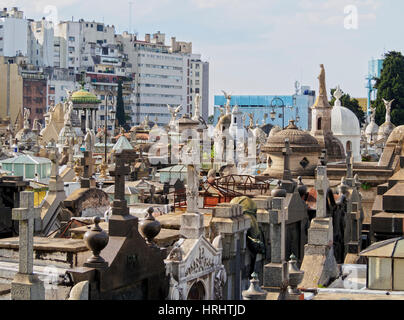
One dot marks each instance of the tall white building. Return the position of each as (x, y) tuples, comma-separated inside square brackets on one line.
[(71, 38), (162, 75), (41, 43), (199, 83), (13, 33)]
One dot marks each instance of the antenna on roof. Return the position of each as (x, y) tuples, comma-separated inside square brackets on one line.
[(130, 17)]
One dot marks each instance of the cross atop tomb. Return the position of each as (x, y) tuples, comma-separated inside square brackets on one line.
[(322, 186), (122, 169), (121, 222), (25, 215), (286, 152), (87, 162)]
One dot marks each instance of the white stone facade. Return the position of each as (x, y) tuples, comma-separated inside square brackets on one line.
[(195, 266)]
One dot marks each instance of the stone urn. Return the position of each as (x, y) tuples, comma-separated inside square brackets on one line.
[(254, 292), (295, 275), (150, 227), (279, 192), (96, 240)]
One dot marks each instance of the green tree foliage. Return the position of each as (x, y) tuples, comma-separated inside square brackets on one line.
[(120, 107), (211, 119), (390, 86), (351, 104)]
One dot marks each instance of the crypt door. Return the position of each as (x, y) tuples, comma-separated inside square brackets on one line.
[(197, 291)]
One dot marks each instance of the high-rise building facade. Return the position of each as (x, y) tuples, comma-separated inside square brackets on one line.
[(13, 33)]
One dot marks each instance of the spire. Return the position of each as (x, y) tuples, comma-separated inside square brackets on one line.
[(322, 100)]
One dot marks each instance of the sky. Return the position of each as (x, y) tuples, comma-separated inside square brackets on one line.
[(256, 46)]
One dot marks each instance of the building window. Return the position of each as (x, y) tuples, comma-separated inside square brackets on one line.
[(72, 38), (196, 90), (319, 124), (100, 27), (196, 74)]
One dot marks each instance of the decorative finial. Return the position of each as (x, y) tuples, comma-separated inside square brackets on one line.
[(96, 240), (279, 192), (338, 95), (150, 227)]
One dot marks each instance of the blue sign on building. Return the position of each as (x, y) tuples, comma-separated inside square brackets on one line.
[(296, 108)]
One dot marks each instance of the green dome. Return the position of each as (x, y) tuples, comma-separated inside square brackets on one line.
[(84, 97)]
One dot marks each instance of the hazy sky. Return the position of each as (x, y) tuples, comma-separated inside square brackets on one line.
[(257, 46)]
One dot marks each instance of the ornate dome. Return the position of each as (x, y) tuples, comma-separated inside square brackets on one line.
[(397, 135), (84, 97), (296, 137), (372, 129), (385, 130), (274, 131), (344, 122)]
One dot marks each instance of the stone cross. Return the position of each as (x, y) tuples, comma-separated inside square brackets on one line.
[(26, 285), (322, 186), (192, 189), (121, 170), (286, 161), (87, 162), (25, 215)]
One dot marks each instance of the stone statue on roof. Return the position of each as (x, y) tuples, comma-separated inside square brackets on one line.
[(388, 105), (27, 113), (197, 112), (228, 99), (373, 114), (321, 78)]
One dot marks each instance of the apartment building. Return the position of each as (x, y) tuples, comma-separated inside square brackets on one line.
[(161, 75), (13, 33), (71, 38), (11, 88), (154, 74), (59, 82), (199, 84)]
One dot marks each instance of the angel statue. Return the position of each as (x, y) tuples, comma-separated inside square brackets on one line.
[(197, 112), (174, 112), (388, 109), (221, 112), (88, 141), (27, 113), (251, 116), (69, 94), (373, 114), (68, 109), (228, 99)]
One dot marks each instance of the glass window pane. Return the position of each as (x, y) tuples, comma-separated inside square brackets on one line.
[(379, 274), (29, 171), (19, 170), (398, 274)]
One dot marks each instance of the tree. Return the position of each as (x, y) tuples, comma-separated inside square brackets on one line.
[(120, 107), (390, 86), (211, 119), (351, 104)]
